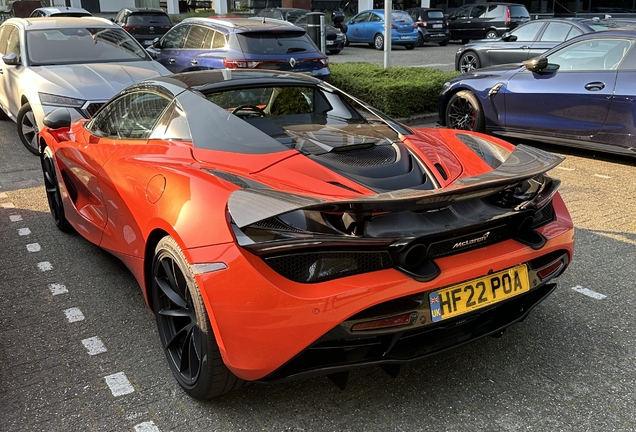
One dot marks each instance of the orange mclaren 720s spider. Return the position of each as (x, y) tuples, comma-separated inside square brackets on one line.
[(280, 228)]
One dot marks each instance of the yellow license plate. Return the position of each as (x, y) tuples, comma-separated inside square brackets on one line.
[(478, 293)]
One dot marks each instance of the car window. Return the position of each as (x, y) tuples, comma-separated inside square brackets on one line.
[(479, 11), (574, 31), (399, 16), (294, 16), (375, 18), (13, 42), (219, 41), (131, 116), (415, 16), (556, 32), (174, 37), (4, 37), (266, 14), (148, 19), (173, 125), (527, 32), (462, 12), (435, 14), (196, 37), (517, 11), (363, 17), (591, 55), (82, 45), (287, 42)]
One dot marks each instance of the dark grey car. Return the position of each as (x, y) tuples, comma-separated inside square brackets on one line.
[(524, 42)]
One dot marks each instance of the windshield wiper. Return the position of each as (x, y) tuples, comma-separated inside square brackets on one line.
[(291, 50)]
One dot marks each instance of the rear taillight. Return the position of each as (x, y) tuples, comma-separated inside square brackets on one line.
[(241, 64), (129, 27), (394, 26), (324, 61), (423, 24), (414, 25), (507, 15)]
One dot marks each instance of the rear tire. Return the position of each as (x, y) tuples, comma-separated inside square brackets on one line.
[(184, 326), (420, 40), (464, 111), (378, 42), (53, 195), (468, 62), (28, 129)]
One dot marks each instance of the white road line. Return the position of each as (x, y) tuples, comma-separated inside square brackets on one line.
[(15, 218), (45, 266), (24, 231), (34, 247), (57, 289), (565, 169), (94, 346), (589, 292), (119, 384), (3, 195), (146, 427), (7, 205), (602, 176), (74, 315)]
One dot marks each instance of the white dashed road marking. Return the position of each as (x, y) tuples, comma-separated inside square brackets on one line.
[(565, 169), (45, 266), (34, 247), (74, 315), (15, 218), (589, 292), (3, 195), (94, 346), (7, 205), (602, 176), (146, 427), (57, 289), (24, 231), (119, 384)]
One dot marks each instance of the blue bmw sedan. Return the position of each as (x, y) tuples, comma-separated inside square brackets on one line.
[(368, 27), (580, 93)]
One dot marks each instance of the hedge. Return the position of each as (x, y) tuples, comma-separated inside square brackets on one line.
[(399, 92)]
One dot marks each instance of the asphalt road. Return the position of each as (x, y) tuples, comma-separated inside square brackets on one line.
[(79, 350)]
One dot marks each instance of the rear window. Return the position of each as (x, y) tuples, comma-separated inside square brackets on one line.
[(518, 11), (280, 43), (148, 19), (435, 14), (401, 16)]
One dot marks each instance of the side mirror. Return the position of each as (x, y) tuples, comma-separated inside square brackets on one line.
[(11, 59), (507, 37), (58, 119), (536, 64), (452, 17), (112, 19), (156, 43)]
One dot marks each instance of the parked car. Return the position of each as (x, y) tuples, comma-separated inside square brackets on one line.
[(580, 93), (144, 24), (334, 38), (432, 25), (51, 62), (486, 20), (524, 42), (368, 27), (60, 11), (280, 229), (233, 43)]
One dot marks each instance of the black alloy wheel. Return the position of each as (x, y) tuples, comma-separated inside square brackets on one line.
[(28, 128), (468, 62), (184, 327), (53, 195), (464, 112)]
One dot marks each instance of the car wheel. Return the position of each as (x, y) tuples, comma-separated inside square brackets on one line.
[(28, 129), (346, 41), (184, 327), (378, 42), (469, 61), (491, 34), (464, 111), (409, 46), (334, 52), (443, 43), (420, 39), (53, 195)]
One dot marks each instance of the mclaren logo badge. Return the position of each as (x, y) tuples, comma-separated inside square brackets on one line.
[(473, 241), (293, 62)]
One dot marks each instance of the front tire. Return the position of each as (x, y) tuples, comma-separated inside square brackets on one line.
[(378, 42), (28, 128), (53, 195), (491, 34), (184, 326), (409, 46), (468, 62), (464, 111)]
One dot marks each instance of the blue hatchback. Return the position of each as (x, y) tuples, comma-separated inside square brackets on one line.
[(368, 27), (237, 43)]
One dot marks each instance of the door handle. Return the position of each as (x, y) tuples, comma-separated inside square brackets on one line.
[(171, 60), (194, 62), (524, 47), (595, 86)]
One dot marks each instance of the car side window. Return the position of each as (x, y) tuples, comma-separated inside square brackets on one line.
[(13, 42), (174, 38), (375, 18), (556, 32), (363, 17), (573, 32), (528, 32), (479, 11), (591, 55), (195, 37), (173, 125), (132, 116), (219, 40), (4, 37), (462, 12)]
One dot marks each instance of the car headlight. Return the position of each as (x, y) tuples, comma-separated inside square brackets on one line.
[(446, 86), (50, 99)]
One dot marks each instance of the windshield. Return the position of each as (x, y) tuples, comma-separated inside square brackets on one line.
[(82, 45), (148, 19)]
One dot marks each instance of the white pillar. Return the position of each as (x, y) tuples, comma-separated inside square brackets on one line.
[(388, 20), (173, 7), (365, 5), (426, 3), (220, 7)]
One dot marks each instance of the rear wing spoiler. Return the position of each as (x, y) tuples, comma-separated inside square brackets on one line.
[(249, 206)]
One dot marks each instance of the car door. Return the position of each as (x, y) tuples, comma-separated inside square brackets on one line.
[(476, 23), (357, 26), (507, 50), (196, 52), (171, 52), (11, 73), (570, 98), (5, 89), (457, 23)]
